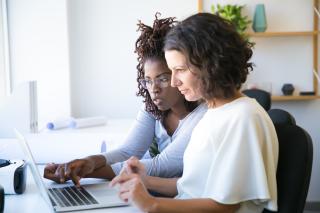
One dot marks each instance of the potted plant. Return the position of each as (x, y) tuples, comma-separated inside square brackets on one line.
[(233, 14)]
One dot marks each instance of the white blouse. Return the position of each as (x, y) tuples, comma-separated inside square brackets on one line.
[(232, 158)]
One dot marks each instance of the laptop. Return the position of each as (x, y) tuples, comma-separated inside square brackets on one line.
[(67, 197)]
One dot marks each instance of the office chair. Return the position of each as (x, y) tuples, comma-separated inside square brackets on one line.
[(280, 116), (262, 97), (294, 168)]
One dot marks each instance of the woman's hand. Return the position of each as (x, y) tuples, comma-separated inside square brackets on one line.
[(73, 170), (134, 166), (133, 190)]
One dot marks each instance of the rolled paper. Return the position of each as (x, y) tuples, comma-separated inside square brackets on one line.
[(59, 124), (87, 122)]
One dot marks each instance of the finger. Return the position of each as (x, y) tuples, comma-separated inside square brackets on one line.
[(50, 167), (51, 176), (133, 165), (75, 177), (76, 180), (120, 179), (50, 172), (60, 173), (125, 196), (68, 169), (127, 186), (123, 169)]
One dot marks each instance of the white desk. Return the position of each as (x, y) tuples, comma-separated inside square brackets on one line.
[(61, 146), (31, 201), (67, 144)]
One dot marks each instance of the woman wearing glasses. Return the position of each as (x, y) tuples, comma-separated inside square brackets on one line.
[(166, 120)]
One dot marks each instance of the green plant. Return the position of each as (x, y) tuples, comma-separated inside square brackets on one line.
[(233, 14)]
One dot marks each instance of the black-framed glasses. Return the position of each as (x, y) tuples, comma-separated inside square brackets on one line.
[(161, 82)]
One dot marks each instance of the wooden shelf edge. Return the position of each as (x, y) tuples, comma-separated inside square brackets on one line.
[(275, 34), (295, 98)]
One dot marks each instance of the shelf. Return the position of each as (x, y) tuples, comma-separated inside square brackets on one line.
[(278, 34), (294, 98)]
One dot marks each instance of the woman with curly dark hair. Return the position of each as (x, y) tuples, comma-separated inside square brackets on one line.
[(231, 160), (164, 123)]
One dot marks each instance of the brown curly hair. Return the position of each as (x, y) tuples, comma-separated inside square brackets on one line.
[(219, 54), (149, 46)]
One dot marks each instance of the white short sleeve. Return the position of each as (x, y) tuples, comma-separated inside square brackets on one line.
[(232, 157)]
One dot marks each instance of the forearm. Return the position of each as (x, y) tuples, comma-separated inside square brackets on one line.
[(99, 161), (193, 205), (101, 168), (104, 172), (165, 186), (137, 140)]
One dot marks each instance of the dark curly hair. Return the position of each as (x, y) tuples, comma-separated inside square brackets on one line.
[(149, 46), (218, 53)]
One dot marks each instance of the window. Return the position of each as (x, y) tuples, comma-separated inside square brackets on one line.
[(5, 88)]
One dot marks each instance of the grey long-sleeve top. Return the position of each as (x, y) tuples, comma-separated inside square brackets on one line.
[(169, 163)]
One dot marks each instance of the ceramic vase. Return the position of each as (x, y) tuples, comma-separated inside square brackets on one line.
[(259, 19), (287, 89)]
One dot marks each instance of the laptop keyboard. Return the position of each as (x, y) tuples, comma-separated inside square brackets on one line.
[(70, 196)]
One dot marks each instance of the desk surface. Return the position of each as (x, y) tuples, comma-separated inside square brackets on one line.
[(48, 145), (31, 201), (67, 144)]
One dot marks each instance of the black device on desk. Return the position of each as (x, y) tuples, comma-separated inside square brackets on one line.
[(1, 199), (13, 176)]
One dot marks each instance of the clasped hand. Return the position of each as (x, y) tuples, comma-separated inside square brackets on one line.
[(73, 170), (131, 181)]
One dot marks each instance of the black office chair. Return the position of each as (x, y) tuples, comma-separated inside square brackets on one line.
[(280, 116), (294, 168), (262, 97)]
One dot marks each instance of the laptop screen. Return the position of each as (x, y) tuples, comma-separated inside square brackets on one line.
[(31, 162)]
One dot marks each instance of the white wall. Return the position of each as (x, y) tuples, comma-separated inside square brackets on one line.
[(39, 51), (102, 61), (282, 60), (2, 60)]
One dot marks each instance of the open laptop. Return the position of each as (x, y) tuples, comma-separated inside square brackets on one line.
[(67, 197)]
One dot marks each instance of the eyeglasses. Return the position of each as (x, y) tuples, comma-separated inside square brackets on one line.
[(162, 82)]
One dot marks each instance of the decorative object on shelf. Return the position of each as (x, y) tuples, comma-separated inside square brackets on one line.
[(287, 89), (259, 20), (233, 14), (307, 93)]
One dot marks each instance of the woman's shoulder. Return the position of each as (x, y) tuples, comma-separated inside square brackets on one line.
[(242, 109), (200, 109), (245, 106), (143, 114), (196, 114)]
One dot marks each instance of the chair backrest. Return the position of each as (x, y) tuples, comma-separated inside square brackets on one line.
[(280, 116), (294, 168), (262, 97)]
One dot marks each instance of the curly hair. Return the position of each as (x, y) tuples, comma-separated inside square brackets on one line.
[(149, 46), (218, 53)]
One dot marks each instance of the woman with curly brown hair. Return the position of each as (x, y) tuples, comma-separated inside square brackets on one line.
[(166, 120), (231, 160)]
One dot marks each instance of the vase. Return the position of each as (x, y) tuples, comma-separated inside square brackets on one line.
[(259, 19), (287, 89)]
